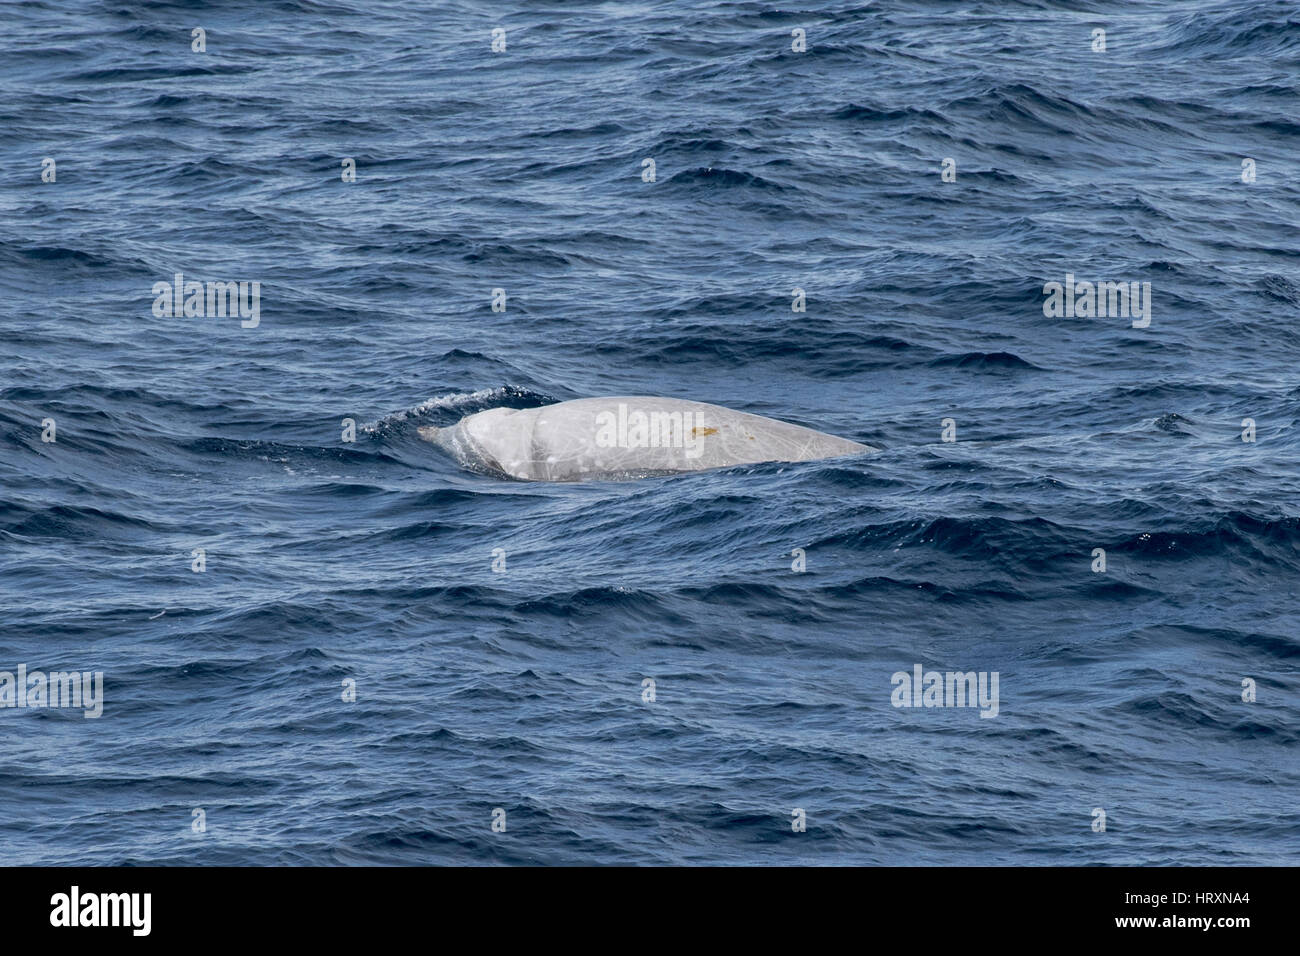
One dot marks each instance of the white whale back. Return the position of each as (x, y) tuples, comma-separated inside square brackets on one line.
[(627, 437)]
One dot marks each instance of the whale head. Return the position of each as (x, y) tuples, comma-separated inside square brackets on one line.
[(498, 440)]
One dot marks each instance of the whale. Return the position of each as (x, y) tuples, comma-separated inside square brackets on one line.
[(626, 437)]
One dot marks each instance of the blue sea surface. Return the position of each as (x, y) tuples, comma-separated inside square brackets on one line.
[(522, 688)]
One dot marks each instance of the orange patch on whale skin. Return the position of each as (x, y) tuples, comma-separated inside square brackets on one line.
[(698, 432)]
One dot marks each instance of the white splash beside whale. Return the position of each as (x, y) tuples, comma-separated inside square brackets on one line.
[(626, 437)]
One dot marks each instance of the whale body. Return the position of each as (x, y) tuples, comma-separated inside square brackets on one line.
[(626, 437)]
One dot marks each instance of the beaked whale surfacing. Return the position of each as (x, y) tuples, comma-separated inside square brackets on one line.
[(626, 437)]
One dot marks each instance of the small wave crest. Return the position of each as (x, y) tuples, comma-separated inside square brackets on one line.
[(460, 404)]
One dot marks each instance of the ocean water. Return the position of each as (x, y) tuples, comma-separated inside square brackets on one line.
[(225, 736)]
